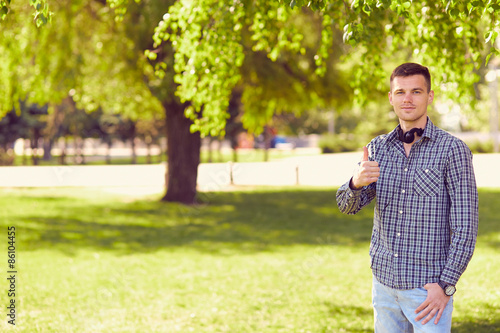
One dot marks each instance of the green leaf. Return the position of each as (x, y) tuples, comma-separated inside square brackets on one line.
[(487, 59), (454, 13), (150, 55), (407, 4), (293, 3), (383, 3), (367, 9)]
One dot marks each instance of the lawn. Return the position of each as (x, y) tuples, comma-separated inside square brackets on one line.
[(243, 155), (253, 260)]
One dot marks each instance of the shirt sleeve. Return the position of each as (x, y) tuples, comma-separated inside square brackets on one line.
[(464, 217), (351, 201)]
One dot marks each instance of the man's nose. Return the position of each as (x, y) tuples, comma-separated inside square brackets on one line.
[(408, 98)]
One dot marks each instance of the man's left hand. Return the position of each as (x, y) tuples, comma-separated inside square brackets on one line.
[(434, 303)]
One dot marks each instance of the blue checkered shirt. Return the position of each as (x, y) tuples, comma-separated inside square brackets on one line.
[(426, 213)]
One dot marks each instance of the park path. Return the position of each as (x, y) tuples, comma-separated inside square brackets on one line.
[(319, 170)]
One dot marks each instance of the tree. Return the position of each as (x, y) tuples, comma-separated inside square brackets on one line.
[(201, 46), (183, 145), (451, 37), (225, 47)]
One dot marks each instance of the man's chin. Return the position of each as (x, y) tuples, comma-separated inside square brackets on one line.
[(410, 116)]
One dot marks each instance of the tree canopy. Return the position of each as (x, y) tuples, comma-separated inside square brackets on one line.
[(82, 53), (211, 40), (451, 37)]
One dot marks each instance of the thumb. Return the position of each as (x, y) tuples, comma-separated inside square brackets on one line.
[(365, 154)]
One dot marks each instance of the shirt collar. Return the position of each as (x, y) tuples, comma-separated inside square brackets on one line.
[(430, 130)]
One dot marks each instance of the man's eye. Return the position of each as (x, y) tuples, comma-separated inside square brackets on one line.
[(417, 92)]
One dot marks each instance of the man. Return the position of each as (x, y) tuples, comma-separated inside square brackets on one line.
[(426, 213)]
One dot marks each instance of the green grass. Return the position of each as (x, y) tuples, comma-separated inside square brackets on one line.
[(245, 155), (259, 260), (89, 160)]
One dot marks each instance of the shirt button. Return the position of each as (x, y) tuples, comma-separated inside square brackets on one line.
[(426, 170), (403, 191), (396, 255), (400, 212), (398, 234), (406, 169)]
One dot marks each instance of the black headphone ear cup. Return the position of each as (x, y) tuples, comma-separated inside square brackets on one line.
[(409, 136)]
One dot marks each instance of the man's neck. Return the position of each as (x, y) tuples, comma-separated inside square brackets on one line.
[(408, 125)]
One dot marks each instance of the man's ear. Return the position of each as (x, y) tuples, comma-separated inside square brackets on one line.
[(431, 97), (390, 98)]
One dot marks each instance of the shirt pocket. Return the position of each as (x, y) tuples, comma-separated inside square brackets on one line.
[(427, 182)]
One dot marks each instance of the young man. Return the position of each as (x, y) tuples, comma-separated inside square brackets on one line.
[(426, 214)]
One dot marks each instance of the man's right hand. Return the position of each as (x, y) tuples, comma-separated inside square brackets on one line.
[(367, 173)]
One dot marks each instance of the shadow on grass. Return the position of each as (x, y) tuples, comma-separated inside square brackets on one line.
[(362, 316), (482, 326), (243, 221), (482, 317)]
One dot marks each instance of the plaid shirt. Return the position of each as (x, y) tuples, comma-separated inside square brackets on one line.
[(426, 215)]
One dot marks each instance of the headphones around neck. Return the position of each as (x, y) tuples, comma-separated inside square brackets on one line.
[(409, 136)]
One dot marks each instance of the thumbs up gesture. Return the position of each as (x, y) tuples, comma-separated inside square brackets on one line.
[(367, 173)]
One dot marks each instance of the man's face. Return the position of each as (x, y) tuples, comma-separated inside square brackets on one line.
[(410, 98)]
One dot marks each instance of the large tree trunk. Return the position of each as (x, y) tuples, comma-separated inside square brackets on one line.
[(183, 149)]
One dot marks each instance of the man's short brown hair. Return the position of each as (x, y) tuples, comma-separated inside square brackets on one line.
[(411, 68)]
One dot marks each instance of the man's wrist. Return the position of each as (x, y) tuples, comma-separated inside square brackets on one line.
[(448, 289), (352, 187)]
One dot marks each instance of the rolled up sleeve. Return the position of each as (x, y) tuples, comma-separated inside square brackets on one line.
[(351, 201)]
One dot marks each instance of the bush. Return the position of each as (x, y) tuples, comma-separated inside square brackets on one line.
[(478, 146), (339, 143)]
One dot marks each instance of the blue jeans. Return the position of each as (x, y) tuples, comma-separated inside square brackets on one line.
[(394, 311)]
